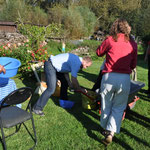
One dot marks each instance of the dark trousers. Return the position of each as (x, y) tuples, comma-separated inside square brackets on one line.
[(149, 74), (51, 79), (98, 82), (64, 85)]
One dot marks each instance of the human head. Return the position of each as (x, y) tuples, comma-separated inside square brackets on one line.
[(120, 26), (86, 62)]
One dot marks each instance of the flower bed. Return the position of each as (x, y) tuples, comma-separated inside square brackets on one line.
[(24, 53)]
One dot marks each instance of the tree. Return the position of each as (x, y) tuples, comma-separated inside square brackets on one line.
[(107, 11), (10, 12), (78, 21), (143, 24)]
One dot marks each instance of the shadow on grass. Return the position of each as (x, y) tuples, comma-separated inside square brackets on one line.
[(88, 76), (2, 144), (90, 121), (29, 81), (84, 116), (140, 119), (89, 118), (143, 95), (122, 143), (135, 137)]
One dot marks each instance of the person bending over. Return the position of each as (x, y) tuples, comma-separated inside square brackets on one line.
[(59, 67)]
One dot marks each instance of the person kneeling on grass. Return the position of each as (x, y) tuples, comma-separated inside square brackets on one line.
[(58, 67)]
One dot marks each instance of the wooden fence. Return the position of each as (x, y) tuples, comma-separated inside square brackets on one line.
[(8, 27)]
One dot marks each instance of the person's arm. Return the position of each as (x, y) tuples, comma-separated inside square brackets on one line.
[(76, 85), (2, 69), (68, 80), (102, 49), (146, 55), (134, 60)]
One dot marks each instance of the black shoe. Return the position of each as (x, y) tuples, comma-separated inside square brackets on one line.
[(38, 112), (105, 132)]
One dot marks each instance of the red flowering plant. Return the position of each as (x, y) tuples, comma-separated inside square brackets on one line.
[(32, 49), (25, 54)]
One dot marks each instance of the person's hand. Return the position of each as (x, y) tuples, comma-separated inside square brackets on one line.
[(58, 83), (83, 90), (145, 59), (2, 69), (70, 85), (71, 88)]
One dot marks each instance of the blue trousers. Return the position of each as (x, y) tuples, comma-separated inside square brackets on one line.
[(51, 78), (115, 88)]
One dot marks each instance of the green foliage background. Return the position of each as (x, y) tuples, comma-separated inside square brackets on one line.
[(80, 18)]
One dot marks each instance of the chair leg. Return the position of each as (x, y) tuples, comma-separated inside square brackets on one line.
[(3, 140), (33, 138), (17, 129), (33, 126), (3, 136)]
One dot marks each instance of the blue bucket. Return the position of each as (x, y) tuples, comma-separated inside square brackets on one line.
[(66, 103), (11, 67), (3, 82)]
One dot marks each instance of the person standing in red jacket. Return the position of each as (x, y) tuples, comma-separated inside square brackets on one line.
[(147, 58), (121, 57)]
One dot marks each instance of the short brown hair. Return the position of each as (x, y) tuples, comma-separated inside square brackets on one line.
[(87, 59)]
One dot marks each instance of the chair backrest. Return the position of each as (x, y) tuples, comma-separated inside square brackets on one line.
[(18, 96)]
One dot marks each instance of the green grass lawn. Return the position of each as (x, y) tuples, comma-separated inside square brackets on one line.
[(78, 128)]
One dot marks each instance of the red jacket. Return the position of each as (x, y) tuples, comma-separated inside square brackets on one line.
[(121, 56)]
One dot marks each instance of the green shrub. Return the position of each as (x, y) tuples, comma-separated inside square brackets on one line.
[(55, 14), (37, 16), (89, 18), (10, 10), (38, 34), (73, 23), (18, 9), (32, 49), (92, 44), (71, 20), (77, 21)]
